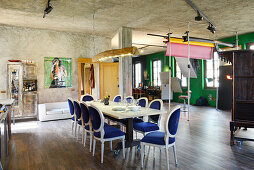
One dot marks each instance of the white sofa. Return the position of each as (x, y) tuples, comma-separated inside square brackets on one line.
[(54, 111)]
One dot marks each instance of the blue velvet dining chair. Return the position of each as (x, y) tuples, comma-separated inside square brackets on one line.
[(86, 124), (129, 99), (104, 132), (117, 98), (78, 118), (164, 139), (143, 102), (72, 112), (86, 98), (153, 121)]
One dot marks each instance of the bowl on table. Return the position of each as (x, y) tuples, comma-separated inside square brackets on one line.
[(134, 108), (119, 108)]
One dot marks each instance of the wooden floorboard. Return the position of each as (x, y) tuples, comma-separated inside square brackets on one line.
[(202, 143)]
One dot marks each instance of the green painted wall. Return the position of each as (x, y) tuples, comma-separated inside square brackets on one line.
[(156, 56), (197, 88), (197, 84), (243, 39)]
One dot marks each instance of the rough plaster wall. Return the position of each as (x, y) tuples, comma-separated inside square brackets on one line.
[(35, 44)]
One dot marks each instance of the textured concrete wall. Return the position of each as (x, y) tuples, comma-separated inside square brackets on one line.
[(35, 44)]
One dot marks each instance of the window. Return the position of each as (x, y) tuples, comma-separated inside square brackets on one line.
[(156, 72), (137, 70), (250, 46), (180, 76), (212, 72)]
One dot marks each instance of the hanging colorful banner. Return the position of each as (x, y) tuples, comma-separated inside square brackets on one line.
[(196, 52)]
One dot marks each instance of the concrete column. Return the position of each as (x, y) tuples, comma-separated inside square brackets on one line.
[(125, 63)]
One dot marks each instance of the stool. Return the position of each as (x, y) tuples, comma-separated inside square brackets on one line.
[(183, 97)]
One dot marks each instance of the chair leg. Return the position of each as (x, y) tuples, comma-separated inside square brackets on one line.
[(72, 125), (142, 153), (78, 132), (94, 143), (174, 148), (167, 157), (75, 128), (111, 145), (85, 137), (123, 144), (83, 129), (91, 140), (153, 152), (184, 105), (102, 151)]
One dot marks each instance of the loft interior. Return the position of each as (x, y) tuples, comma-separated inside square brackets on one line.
[(163, 84)]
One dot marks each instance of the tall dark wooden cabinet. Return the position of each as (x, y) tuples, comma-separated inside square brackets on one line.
[(243, 91)]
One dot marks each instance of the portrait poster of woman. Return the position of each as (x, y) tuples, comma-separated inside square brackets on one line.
[(57, 72)]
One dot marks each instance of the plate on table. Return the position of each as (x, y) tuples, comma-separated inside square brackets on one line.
[(119, 108), (14, 60), (134, 108)]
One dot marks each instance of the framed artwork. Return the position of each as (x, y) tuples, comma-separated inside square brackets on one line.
[(57, 72)]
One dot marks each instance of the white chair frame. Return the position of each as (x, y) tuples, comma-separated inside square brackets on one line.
[(141, 98), (159, 119), (85, 131), (166, 139), (109, 120), (85, 95), (132, 98), (117, 96), (102, 140), (74, 122)]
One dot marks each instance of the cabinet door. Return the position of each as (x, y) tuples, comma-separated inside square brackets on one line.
[(29, 72), (15, 87), (30, 104)]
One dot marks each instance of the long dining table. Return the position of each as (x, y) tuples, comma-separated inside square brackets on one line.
[(128, 115)]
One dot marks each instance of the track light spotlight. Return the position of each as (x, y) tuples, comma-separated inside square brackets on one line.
[(198, 17), (211, 28), (48, 9)]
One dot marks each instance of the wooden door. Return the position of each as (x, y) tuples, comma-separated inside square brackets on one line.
[(81, 63), (109, 80)]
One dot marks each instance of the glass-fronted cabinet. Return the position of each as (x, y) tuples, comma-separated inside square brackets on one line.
[(22, 86), (15, 86)]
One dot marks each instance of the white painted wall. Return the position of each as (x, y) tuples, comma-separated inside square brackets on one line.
[(35, 44)]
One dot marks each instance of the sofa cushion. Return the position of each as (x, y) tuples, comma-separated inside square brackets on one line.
[(54, 111), (57, 105), (66, 111)]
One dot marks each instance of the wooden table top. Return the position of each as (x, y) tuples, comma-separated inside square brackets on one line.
[(107, 110)]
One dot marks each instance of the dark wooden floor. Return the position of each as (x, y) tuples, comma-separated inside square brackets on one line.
[(202, 143)]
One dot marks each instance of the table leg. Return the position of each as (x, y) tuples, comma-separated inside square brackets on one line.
[(13, 118), (0, 150), (129, 130), (129, 142), (10, 110), (0, 144), (5, 137)]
